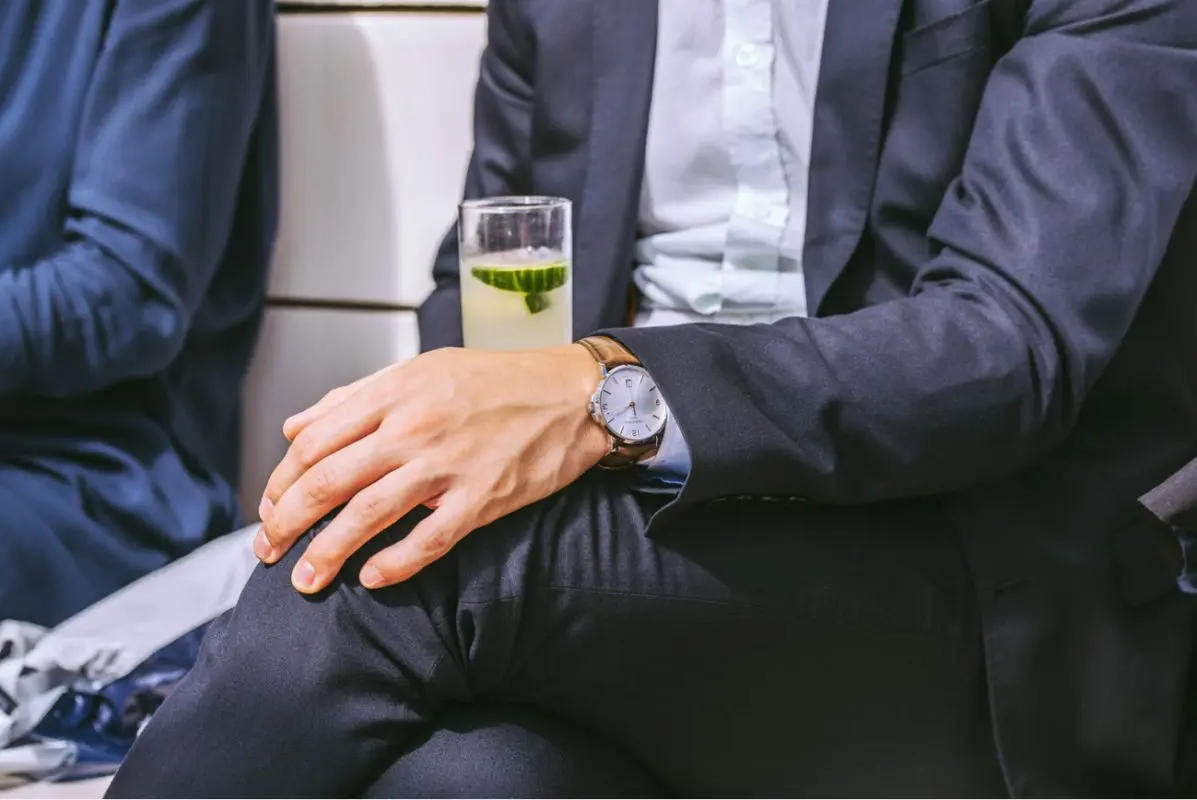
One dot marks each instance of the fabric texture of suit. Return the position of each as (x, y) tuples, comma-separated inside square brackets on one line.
[(1000, 257)]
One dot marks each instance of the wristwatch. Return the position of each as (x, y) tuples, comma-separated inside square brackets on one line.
[(627, 404)]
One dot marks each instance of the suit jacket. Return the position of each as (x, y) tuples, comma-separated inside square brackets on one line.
[(1000, 262)]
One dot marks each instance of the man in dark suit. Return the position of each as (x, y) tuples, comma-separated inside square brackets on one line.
[(907, 557)]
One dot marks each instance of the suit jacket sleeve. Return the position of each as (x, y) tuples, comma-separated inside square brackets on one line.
[(167, 123), (1083, 154), (499, 164)]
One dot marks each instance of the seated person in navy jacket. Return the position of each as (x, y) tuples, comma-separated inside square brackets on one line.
[(137, 212)]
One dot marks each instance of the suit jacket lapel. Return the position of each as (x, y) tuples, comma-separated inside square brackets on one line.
[(624, 51), (849, 107)]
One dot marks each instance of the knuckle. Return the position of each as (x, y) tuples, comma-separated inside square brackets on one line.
[(279, 482), (439, 542), (322, 484), (391, 574), (374, 508), (397, 428), (268, 535), (272, 492), (325, 555), (306, 448)]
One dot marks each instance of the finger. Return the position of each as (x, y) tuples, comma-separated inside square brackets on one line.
[(354, 419), (325, 485), (371, 511), (297, 422), (431, 539)]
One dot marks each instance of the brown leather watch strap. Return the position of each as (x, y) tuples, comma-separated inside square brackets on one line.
[(609, 352), (628, 455)]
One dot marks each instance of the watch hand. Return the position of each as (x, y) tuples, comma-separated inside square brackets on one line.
[(623, 410)]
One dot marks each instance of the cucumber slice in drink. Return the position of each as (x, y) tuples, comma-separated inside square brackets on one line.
[(534, 283)]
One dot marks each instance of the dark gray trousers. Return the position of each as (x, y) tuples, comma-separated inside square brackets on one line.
[(752, 648)]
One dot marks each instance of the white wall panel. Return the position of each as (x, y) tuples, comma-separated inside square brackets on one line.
[(376, 132), (302, 353)]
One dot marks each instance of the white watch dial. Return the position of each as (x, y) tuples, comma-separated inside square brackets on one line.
[(630, 404)]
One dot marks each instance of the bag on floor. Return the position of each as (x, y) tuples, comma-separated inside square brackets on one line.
[(73, 698)]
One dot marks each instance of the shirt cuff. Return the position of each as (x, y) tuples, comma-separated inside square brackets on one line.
[(671, 465)]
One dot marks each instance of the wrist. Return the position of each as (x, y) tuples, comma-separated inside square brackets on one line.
[(581, 374)]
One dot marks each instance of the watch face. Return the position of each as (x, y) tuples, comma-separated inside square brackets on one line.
[(631, 405)]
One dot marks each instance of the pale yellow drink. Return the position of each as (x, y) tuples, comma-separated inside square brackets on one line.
[(516, 278), (516, 300)]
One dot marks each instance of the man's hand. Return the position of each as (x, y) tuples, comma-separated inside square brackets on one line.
[(472, 434)]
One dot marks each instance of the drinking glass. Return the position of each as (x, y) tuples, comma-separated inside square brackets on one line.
[(516, 272)]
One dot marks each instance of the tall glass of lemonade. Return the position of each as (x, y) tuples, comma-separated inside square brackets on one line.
[(516, 272)]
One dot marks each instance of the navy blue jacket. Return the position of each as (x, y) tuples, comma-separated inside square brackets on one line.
[(1001, 252), (137, 212)]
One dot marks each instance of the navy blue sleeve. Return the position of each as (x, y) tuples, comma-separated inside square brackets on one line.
[(159, 155)]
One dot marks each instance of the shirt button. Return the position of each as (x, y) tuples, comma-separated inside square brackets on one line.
[(757, 210), (746, 55)]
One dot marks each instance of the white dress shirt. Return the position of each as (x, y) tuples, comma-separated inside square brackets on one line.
[(723, 204)]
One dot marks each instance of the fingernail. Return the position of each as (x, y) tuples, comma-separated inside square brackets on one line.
[(370, 577), (304, 576), (262, 547), (264, 508)]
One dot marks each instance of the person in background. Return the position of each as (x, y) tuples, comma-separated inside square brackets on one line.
[(916, 284), (137, 214)]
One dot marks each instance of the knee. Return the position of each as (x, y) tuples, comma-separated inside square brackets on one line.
[(293, 677), (293, 647), (513, 751), (294, 642)]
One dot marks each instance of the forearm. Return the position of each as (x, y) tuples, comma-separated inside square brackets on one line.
[(82, 319), (156, 179), (905, 399)]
